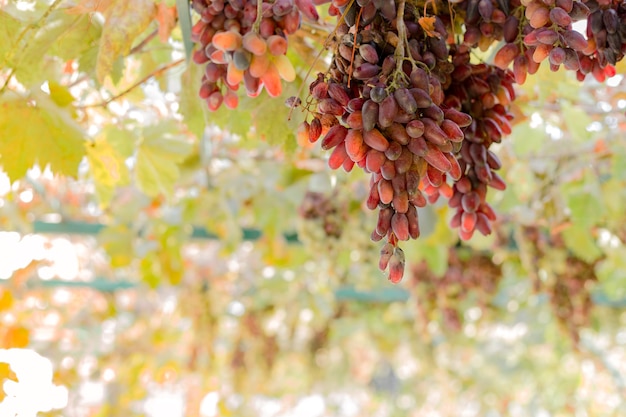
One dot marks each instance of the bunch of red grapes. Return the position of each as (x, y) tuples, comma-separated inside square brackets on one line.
[(401, 99), (383, 104), (240, 42), (538, 30)]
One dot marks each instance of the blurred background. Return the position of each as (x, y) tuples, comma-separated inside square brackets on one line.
[(226, 271)]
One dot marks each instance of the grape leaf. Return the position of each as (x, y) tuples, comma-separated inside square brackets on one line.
[(117, 241), (191, 106), (80, 35), (158, 156), (527, 140), (586, 209), (50, 136), (27, 57), (576, 121), (125, 20), (9, 30), (610, 273), (107, 166), (578, 239), (60, 94)]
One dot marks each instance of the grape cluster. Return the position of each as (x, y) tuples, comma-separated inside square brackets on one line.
[(570, 283), (323, 208), (571, 296), (484, 92), (470, 280), (606, 31), (330, 222), (242, 43), (538, 30), (487, 21), (381, 108)]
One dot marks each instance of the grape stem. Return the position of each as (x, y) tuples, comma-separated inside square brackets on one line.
[(400, 52), (400, 55), (256, 27), (319, 54), (358, 19)]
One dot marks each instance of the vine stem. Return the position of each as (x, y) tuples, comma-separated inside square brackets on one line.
[(144, 42), (156, 73), (21, 37)]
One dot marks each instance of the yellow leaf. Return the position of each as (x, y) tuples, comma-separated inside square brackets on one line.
[(125, 20), (39, 133), (60, 94), (107, 168), (428, 24)]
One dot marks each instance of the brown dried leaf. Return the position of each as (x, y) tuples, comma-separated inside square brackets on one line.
[(166, 16), (428, 24)]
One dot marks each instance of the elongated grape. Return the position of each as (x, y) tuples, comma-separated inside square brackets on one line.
[(338, 156), (394, 151), (369, 112), (376, 140), (387, 111), (405, 100)]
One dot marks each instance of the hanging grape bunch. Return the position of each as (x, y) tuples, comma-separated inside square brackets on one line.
[(240, 42), (389, 117), (401, 99), (485, 93)]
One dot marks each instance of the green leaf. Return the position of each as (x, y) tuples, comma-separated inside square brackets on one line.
[(527, 140), (586, 208), (50, 137), (576, 121), (158, 157), (578, 239), (262, 118), (618, 162), (122, 140), (117, 241), (610, 272), (613, 198), (192, 107), (125, 20), (78, 35)]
